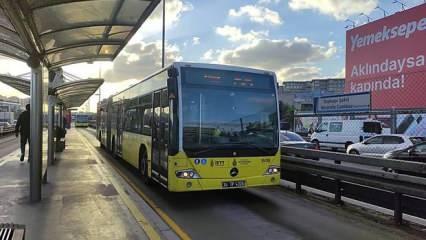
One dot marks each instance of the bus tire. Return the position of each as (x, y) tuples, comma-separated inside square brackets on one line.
[(143, 165)]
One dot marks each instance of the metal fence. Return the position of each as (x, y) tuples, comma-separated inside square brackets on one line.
[(369, 183), (6, 130), (401, 121)]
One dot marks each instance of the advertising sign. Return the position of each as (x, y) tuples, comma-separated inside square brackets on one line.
[(387, 58), (354, 102)]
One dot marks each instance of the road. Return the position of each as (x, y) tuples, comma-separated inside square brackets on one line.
[(8, 144), (262, 213)]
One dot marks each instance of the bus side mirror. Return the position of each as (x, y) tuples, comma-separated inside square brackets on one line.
[(172, 87), (172, 72)]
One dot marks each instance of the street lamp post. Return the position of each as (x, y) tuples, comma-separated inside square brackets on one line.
[(164, 34), (351, 23), (368, 18), (383, 10), (403, 5)]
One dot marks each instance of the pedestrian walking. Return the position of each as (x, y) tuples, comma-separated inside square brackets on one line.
[(22, 128)]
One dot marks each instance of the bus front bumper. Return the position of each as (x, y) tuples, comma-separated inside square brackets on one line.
[(184, 185)]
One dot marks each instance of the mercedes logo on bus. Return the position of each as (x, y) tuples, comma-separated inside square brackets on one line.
[(233, 172)]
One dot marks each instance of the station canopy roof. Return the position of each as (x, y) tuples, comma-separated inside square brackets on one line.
[(64, 32), (74, 94), (20, 84)]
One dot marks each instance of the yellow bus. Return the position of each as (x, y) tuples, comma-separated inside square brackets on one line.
[(193, 127)]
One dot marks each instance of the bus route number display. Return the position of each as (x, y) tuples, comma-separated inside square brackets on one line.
[(224, 78)]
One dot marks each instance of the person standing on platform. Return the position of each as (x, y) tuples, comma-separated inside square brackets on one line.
[(23, 127)]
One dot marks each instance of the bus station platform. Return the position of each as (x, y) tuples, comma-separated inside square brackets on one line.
[(83, 199)]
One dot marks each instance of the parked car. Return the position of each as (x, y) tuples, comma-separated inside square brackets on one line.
[(291, 139), (416, 153), (381, 144), (340, 134)]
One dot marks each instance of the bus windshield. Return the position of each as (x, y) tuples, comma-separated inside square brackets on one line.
[(82, 118), (227, 115)]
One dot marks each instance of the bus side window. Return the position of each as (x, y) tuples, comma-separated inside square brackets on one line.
[(147, 118), (126, 122), (146, 114)]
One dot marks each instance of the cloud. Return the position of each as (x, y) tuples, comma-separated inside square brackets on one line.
[(298, 73), (291, 59), (9, 66), (268, 1), (235, 34), (195, 40), (339, 9), (139, 60), (340, 74), (277, 54), (13, 67), (153, 25), (257, 14)]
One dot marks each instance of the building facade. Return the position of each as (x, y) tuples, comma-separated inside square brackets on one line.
[(301, 94)]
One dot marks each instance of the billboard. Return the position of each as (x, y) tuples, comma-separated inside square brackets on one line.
[(354, 102), (387, 58)]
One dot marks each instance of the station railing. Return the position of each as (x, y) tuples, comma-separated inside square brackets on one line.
[(370, 184), (6, 131)]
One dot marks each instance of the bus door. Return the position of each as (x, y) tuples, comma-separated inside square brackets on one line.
[(156, 110), (120, 123), (160, 133)]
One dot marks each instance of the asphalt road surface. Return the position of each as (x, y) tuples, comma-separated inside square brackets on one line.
[(8, 144), (261, 213)]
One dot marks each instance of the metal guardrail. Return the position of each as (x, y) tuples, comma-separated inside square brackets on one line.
[(12, 231), (6, 130), (399, 192)]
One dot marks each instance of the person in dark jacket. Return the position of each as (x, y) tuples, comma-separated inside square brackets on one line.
[(23, 127)]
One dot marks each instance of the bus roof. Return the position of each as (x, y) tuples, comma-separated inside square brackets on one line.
[(201, 65)]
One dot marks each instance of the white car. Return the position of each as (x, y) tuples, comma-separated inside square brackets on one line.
[(378, 145)]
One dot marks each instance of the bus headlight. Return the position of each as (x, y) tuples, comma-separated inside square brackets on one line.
[(272, 170), (188, 174)]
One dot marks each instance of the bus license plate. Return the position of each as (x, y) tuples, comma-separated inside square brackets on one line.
[(233, 184)]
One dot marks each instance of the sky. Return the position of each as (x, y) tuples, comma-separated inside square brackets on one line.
[(298, 39)]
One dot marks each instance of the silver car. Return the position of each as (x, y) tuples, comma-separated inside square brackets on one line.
[(379, 145)]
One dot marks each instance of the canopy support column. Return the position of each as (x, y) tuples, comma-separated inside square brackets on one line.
[(61, 116), (51, 131), (36, 116)]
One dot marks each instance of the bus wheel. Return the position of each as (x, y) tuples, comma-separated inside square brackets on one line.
[(143, 165)]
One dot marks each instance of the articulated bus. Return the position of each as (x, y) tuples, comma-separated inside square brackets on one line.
[(194, 127)]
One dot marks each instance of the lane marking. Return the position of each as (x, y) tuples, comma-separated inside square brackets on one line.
[(134, 210), (168, 220)]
